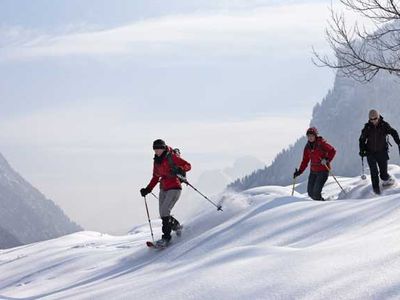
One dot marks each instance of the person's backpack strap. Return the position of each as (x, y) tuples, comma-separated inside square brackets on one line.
[(172, 165), (171, 162)]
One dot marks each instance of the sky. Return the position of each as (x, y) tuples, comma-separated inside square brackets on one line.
[(86, 86)]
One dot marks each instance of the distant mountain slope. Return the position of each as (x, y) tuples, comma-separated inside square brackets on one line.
[(7, 240), (214, 181), (25, 213), (339, 118)]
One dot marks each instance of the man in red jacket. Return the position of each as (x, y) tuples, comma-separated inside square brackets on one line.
[(320, 153), (167, 165)]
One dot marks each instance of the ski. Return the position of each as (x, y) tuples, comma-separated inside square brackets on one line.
[(150, 244), (178, 232), (389, 186), (153, 245)]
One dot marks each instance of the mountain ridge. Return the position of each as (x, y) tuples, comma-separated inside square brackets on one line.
[(25, 213)]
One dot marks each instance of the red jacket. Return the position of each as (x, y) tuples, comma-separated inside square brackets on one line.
[(162, 171), (315, 152)]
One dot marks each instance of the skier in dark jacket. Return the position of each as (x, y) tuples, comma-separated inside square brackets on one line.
[(320, 153), (374, 145), (167, 166)]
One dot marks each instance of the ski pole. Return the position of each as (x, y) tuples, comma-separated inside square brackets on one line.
[(148, 218), (363, 177), (183, 179), (154, 195), (330, 172), (294, 183)]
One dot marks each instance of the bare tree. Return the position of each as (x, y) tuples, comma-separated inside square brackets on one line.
[(361, 54)]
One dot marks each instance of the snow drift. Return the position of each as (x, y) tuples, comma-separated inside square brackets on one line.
[(265, 245)]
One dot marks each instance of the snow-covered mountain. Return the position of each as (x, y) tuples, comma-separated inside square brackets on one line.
[(26, 215), (265, 245), (339, 118)]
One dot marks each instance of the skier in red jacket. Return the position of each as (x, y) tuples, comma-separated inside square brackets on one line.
[(320, 154), (167, 165)]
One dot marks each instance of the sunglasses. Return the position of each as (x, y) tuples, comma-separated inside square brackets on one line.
[(373, 119)]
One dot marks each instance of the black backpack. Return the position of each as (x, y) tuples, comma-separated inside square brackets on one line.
[(174, 168)]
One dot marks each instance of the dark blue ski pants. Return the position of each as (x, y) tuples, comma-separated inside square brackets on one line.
[(316, 182)]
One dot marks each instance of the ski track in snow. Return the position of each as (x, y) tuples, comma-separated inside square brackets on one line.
[(265, 245)]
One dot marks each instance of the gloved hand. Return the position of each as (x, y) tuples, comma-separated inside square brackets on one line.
[(181, 174), (296, 173), (144, 192), (324, 162), (179, 171), (363, 153)]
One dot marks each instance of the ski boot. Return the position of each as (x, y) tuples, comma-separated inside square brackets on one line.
[(389, 182), (162, 243), (377, 191), (319, 199), (175, 226), (178, 229)]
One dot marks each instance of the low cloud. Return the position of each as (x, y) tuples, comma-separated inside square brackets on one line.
[(106, 129)]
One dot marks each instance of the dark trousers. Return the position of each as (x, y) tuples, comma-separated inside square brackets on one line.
[(316, 181), (378, 160)]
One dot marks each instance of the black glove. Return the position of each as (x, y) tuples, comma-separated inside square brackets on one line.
[(179, 171), (144, 192), (296, 173), (363, 153)]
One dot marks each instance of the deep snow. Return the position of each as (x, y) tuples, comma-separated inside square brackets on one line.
[(265, 245)]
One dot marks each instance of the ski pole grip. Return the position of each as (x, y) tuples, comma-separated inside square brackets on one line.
[(182, 178)]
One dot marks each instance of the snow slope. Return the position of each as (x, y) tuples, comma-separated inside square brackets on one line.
[(265, 245)]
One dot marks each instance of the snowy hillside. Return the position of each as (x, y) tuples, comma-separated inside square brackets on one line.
[(265, 245), (339, 117), (26, 215)]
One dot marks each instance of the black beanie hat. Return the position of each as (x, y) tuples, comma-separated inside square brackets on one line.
[(159, 144)]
